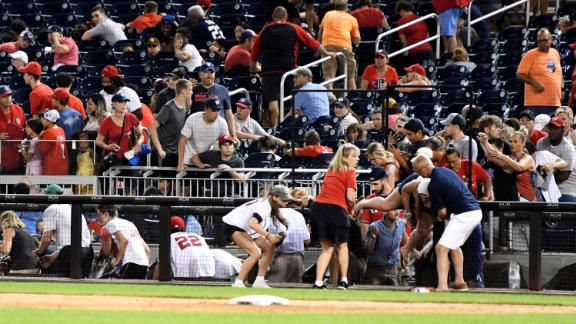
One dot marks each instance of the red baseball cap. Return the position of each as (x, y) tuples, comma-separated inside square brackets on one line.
[(225, 138), (205, 4), (33, 68), (573, 46), (557, 121), (61, 94), (416, 68), (111, 72), (176, 222)]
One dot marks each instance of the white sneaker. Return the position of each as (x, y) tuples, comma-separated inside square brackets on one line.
[(238, 285), (261, 284)]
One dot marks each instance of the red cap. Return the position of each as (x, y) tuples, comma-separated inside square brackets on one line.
[(573, 46), (225, 138), (33, 68), (557, 121), (61, 94), (176, 222), (205, 4), (111, 72), (416, 68)]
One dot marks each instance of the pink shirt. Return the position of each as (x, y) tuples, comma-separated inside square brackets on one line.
[(9, 47), (70, 58)]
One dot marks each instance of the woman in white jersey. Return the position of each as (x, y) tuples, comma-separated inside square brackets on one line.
[(247, 226), (133, 252)]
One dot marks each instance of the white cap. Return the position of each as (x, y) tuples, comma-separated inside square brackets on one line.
[(51, 115), (19, 55), (423, 186), (423, 151), (540, 121)]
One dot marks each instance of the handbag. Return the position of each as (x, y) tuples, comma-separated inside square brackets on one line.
[(110, 159)]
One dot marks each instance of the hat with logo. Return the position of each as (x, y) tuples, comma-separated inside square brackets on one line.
[(27, 35), (152, 41), (168, 19), (207, 66), (61, 94), (377, 174), (55, 29), (381, 54), (176, 222), (244, 103), (247, 34), (111, 71), (119, 98), (5, 91), (416, 68), (213, 104), (541, 121), (556, 121), (225, 138), (19, 55), (32, 68), (51, 115), (527, 113), (454, 119), (53, 189), (282, 192), (342, 102)]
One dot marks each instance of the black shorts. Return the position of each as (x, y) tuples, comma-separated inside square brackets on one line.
[(230, 229), (330, 222), (271, 87), (133, 271)]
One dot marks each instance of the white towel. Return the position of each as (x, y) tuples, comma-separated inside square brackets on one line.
[(547, 185)]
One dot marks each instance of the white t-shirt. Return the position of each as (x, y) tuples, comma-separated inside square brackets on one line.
[(195, 59), (190, 256), (58, 218), (227, 265), (201, 136), (132, 105), (240, 216), (347, 121), (296, 234), (135, 252)]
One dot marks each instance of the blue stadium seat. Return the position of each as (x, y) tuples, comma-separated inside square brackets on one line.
[(362, 107), (74, 70), (286, 134), (91, 84), (65, 20), (56, 8), (93, 45), (137, 44), (17, 82), (260, 160), (132, 58), (122, 8), (483, 71), (99, 57), (322, 161), (226, 7), (251, 83), (492, 97), (294, 121), (322, 121), (430, 96), (484, 84), (143, 82), (136, 70), (452, 108), (164, 58)]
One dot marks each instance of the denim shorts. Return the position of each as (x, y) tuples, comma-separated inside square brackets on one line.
[(449, 21)]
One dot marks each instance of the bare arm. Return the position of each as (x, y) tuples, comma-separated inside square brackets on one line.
[(487, 189), (122, 245), (253, 223), (504, 161), (87, 35), (231, 122), (442, 213), (155, 140), (351, 198), (530, 80), (8, 234), (408, 190), (181, 148), (44, 243)]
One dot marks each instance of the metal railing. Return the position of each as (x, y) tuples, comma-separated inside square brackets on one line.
[(240, 90), (407, 48), (494, 13), (343, 76)]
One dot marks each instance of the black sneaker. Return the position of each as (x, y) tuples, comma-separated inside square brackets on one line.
[(343, 285), (318, 287)]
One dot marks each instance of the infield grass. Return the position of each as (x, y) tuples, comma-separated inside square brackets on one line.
[(195, 291)]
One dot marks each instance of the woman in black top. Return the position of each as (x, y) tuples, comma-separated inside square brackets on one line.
[(18, 244)]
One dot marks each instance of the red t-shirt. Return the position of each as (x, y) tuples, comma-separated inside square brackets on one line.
[(536, 135), (478, 175), (113, 132), (371, 75), (237, 56), (415, 33), (147, 20), (40, 99), (14, 124), (77, 105), (9, 47), (368, 17), (312, 151), (369, 216), (335, 186), (55, 159)]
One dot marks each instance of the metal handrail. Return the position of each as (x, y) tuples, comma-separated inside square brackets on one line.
[(319, 61), (393, 30), (240, 90), (494, 13)]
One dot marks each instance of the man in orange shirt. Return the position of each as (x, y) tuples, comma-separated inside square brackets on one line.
[(12, 125), (65, 80), (338, 33), (541, 72), (150, 18), (41, 95), (53, 145)]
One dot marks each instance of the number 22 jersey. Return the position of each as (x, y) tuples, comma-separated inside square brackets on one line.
[(190, 256)]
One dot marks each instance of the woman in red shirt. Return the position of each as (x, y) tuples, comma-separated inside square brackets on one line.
[(331, 211), (378, 75), (454, 162), (369, 16)]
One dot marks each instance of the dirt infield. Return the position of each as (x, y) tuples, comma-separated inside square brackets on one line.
[(296, 306)]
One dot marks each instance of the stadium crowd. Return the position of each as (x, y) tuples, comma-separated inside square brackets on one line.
[(186, 118)]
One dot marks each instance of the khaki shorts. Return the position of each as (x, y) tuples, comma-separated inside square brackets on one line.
[(331, 67)]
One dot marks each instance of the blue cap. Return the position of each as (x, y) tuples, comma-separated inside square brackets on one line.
[(244, 103), (246, 34), (213, 104), (119, 98), (5, 90), (207, 66), (168, 19)]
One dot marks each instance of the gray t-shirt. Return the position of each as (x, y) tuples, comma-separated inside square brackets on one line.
[(109, 31), (171, 120), (566, 152), (201, 135), (249, 126), (462, 147)]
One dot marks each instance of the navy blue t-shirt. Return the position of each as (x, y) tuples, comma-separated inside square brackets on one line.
[(448, 191), (216, 91)]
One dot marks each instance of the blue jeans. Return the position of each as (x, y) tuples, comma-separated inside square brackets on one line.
[(567, 198)]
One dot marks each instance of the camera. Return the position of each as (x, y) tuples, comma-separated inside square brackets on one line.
[(24, 145)]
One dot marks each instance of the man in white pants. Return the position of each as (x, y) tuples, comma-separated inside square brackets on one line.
[(450, 197)]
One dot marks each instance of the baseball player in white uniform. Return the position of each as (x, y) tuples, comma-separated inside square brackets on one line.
[(189, 253), (247, 226)]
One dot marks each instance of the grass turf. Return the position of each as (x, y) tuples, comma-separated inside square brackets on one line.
[(193, 291), (26, 315)]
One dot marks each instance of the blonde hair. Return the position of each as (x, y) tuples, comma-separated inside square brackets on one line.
[(567, 111), (10, 219), (300, 196), (506, 132), (338, 164), (378, 150)]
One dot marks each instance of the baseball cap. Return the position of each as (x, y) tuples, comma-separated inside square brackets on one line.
[(176, 222), (51, 115), (377, 174), (5, 91), (26, 34), (225, 138), (342, 102), (540, 121), (454, 119), (111, 71), (282, 192), (205, 4), (527, 113), (61, 94), (556, 121), (168, 19), (152, 41), (246, 34), (213, 104), (573, 46), (55, 29), (53, 189), (244, 103), (423, 186), (304, 71), (119, 98), (33, 68), (426, 151), (207, 66), (159, 85), (381, 54), (415, 125), (19, 55), (416, 68), (177, 73)]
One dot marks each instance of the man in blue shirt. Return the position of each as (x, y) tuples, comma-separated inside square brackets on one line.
[(450, 197), (70, 120), (311, 104)]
